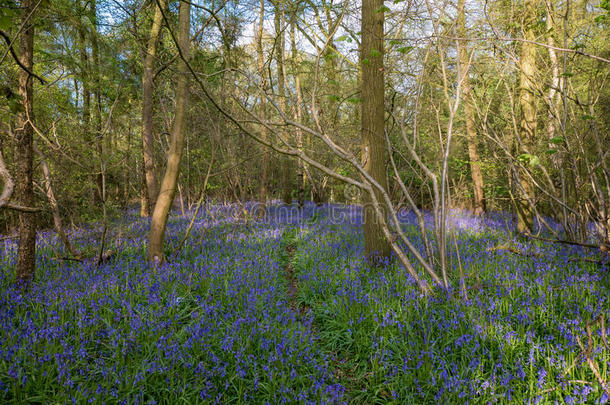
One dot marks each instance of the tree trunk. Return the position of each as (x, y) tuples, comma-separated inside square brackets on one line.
[(373, 137), (170, 179), (144, 208), (527, 125), (84, 69), (26, 255), (298, 111), (286, 167), (48, 188), (97, 108), (86, 92), (260, 64), (471, 132), (148, 152)]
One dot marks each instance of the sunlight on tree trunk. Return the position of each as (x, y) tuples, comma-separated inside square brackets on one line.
[(527, 125), (471, 131), (148, 152), (373, 137), (170, 179)]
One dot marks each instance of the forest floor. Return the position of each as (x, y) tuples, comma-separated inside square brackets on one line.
[(287, 310)]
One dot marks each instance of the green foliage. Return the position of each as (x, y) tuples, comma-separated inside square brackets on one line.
[(532, 160), (374, 53), (383, 9), (557, 140), (9, 14), (404, 49)]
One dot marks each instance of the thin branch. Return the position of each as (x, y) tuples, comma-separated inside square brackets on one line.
[(16, 58)]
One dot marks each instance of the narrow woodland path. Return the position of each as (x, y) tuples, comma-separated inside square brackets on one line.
[(291, 278), (344, 371), (289, 239)]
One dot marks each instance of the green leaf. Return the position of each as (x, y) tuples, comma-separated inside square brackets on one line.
[(588, 117), (405, 49), (383, 9), (342, 38), (534, 161), (5, 22), (551, 151), (557, 140), (354, 100), (374, 53), (334, 97), (15, 106), (365, 61), (567, 74)]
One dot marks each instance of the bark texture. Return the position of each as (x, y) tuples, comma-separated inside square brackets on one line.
[(373, 138), (170, 178), (471, 131), (298, 113), (24, 134), (281, 90), (260, 65), (148, 152), (527, 124)]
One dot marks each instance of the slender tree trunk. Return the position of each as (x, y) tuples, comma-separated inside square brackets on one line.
[(97, 107), (86, 92), (298, 111), (260, 64), (527, 125), (24, 134), (553, 111), (170, 179), (148, 152), (373, 137), (144, 212), (48, 188), (471, 132), (286, 167), (84, 69), (555, 80)]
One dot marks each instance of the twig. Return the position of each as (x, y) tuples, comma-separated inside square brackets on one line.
[(511, 249), (592, 365), (199, 201), (567, 242), (70, 259), (16, 58)]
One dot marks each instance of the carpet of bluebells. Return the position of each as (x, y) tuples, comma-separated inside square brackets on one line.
[(222, 322)]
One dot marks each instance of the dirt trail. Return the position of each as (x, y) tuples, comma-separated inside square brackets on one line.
[(291, 277)]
